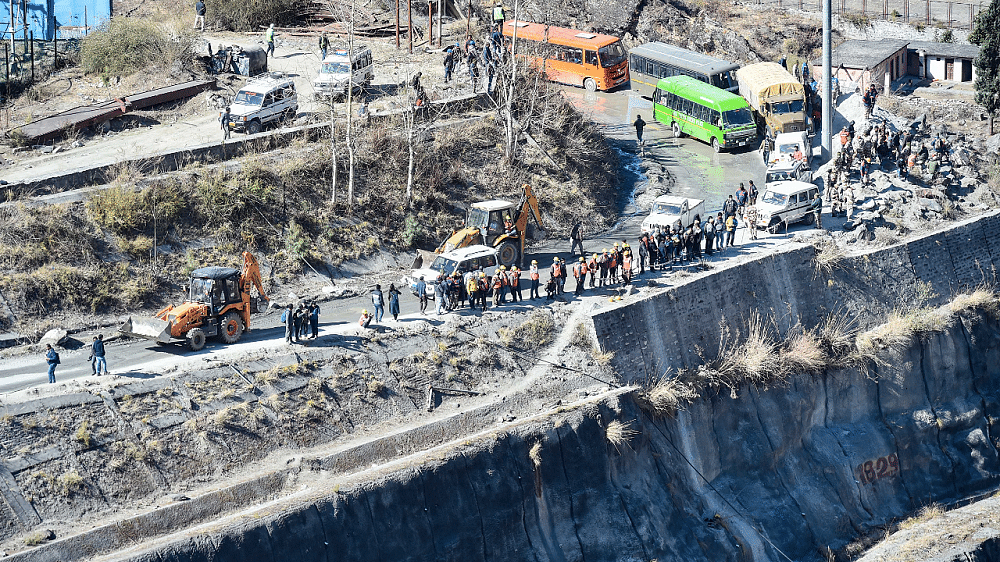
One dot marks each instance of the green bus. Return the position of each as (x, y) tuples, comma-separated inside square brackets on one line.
[(691, 107)]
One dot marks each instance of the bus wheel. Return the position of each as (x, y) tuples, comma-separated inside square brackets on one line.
[(715, 144), (677, 130), (590, 85)]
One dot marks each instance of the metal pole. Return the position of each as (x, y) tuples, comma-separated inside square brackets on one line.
[(430, 23), (949, 14), (55, 48), (827, 70), (32, 57), (928, 12), (440, 19), (84, 20), (468, 20), (409, 23), (397, 24), (970, 17)]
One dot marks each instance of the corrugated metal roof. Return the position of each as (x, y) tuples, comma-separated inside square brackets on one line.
[(949, 50), (683, 58), (861, 54)]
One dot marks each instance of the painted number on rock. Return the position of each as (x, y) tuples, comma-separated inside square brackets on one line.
[(882, 467)]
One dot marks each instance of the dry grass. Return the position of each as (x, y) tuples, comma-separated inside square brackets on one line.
[(667, 395), (925, 514), (753, 358), (804, 353), (535, 454), (581, 337), (83, 435), (620, 434), (828, 257), (536, 331)]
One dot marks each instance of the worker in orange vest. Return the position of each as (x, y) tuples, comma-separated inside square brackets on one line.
[(533, 274), (626, 266), (580, 274), (514, 284), (558, 272)]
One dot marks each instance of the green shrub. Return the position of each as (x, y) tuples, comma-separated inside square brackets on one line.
[(98, 288), (123, 45), (128, 211), (251, 15)]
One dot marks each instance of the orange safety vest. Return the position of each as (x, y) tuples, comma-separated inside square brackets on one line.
[(627, 263), (513, 277), (557, 270), (534, 273), (592, 264), (844, 135), (576, 270), (497, 283), (484, 284)]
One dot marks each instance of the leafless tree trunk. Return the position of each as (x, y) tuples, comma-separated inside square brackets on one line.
[(511, 133), (410, 117), (350, 109), (333, 152)]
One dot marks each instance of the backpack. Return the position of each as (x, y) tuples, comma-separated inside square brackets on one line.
[(56, 353), (284, 316)]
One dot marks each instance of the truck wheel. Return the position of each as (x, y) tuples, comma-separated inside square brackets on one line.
[(288, 116), (231, 327), (715, 144), (677, 130), (253, 127), (590, 85), (195, 339), (809, 218), (508, 254)]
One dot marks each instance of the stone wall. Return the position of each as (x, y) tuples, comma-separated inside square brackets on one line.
[(668, 328)]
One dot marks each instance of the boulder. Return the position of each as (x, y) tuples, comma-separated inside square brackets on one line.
[(993, 144), (867, 205), (930, 204), (930, 193), (54, 336)]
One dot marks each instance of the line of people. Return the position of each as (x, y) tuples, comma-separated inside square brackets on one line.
[(300, 321)]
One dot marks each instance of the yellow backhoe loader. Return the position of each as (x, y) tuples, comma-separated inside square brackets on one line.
[(496, 223), (219, 304)]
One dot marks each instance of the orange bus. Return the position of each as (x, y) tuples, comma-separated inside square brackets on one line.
[(568, 56)]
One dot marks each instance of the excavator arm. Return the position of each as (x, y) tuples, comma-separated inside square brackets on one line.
[(250, 276), (528, 204)]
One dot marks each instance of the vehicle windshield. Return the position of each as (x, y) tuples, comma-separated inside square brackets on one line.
[(786, 150), (201, 290), (773, 198), (722, 80), (667, 208), (783, 107), (443, 264), (249, 98), (478, 218), (335, 68), (735, 118), (612, 54), (778, 176)]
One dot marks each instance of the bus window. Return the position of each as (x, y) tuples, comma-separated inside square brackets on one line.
[(591, 57), (687, 107), (656, 95), (612, 54), (637, 63), (649, 69), (675, 102)]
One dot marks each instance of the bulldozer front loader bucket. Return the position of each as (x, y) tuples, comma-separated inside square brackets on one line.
[(147, 328)]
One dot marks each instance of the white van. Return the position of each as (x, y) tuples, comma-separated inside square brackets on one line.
[(785, 202), (263, 100), (460, 261), (338, 66)]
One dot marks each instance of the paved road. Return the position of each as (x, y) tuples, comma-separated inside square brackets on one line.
[(698, 171)]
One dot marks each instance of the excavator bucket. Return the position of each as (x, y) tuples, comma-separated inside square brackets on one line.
[(424, 259), (147, 328)]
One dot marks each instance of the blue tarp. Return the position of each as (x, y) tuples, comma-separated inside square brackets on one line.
[(46, 18)]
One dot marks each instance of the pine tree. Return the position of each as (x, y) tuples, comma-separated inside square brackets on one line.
[(987, 35)]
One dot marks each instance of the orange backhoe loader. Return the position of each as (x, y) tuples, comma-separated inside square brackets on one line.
[(496, 223), (219, 304)]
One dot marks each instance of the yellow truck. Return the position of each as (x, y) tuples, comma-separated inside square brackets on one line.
[(777, 98)]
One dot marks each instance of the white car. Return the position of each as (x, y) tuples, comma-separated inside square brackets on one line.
[(268, 99), (785, 202), (462, 260), (337, 68), (668, 209)]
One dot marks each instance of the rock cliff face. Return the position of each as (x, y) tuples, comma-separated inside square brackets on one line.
[(769, 473)]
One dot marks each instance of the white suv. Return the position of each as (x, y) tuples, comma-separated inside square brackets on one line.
[(340, 68), (264, 100), (462, 260)]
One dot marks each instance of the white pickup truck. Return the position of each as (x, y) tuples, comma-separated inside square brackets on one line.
[(668, 209)]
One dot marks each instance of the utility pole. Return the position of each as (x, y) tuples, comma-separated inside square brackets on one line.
[(409, 23), (397, 25), (827, 69), (440, 20)]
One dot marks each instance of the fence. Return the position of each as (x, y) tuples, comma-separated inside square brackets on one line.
[(26, 61), (928, 13)]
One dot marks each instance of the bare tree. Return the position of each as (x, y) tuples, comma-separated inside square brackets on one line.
[(511, 134), (350, 108)]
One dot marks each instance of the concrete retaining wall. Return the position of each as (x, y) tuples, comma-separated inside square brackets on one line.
[(667, 329)]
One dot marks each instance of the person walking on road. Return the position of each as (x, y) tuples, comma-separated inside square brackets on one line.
[(314, 320), (52, 358), (324, 45), (421, 289), (97, 350), (639, 124), (394, 302), (576, 239), (224, 123), (440, 298), (199, 15), (817, 207), (378, 301), (752, 193), (269, 39), (449, 63)]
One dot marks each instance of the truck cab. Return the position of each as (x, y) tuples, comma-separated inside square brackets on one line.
[(667, 210)]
